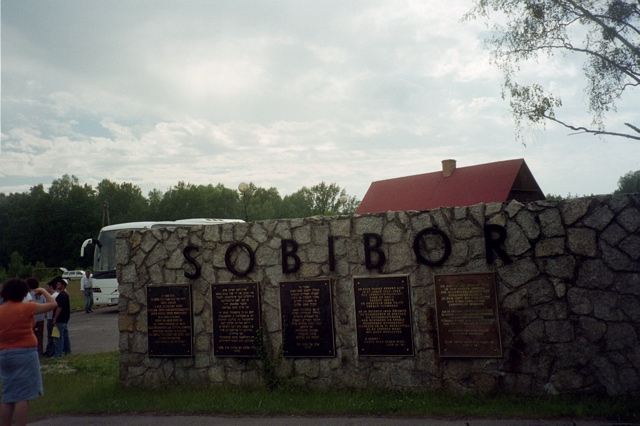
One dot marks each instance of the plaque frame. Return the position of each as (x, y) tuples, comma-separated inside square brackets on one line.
[(162, 290), (289, 352), (257, 321), (360, 337), (447, 346)]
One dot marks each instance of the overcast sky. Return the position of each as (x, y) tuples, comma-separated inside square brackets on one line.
[(283, 94)]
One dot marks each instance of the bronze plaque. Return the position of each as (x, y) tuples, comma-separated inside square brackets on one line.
[(169, 323), (383, 316), (236, 319), (307, 318), (467, 316)]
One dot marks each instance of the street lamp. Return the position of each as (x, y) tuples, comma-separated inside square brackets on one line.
[(244, 188), (342, 200)]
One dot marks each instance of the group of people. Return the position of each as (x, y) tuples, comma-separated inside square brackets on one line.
[(24, 309)]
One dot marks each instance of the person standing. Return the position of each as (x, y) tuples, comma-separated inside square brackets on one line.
[(61, 317), (19, 363), (38, 330), (86, 286), (51, 289)]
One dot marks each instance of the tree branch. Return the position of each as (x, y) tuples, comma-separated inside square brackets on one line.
[(568, 46), (593, 18), (623, 23), (633, 127), (595, 132)]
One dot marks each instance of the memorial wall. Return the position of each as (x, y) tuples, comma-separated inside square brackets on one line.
[(531, 299)]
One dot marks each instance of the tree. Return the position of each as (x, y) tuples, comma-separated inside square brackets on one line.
[(49, 226), (261, 203), (17, 268), (186, 200), (126, 202), (225, 202), (155, 199), (61, 188), (604, 32), (179, 202), (348, 204), (557, 197), (72, 216), (629, 183), (296, 204), (319, 200)]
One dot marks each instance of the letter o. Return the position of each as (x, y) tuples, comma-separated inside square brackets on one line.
[(445, 240), (231, 267)]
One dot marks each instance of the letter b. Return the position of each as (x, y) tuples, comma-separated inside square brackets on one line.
[(368, 248)]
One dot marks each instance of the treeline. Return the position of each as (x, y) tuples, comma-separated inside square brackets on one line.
[(47, 227)]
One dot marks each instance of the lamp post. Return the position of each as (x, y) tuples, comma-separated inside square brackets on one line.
[(244, 188), (342, 200)]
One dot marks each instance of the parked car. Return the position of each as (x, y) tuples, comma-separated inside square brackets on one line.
[(73, 275)]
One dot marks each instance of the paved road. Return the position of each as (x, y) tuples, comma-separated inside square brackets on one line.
[(94, 332)]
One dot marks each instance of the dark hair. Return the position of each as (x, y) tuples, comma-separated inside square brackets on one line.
[(33, 283), (52, 283), (15, 290), (60, 280)]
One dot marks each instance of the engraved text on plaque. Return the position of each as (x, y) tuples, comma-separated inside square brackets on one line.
[(307, 318), (383, 316), (236, 319), (169, 322), (467, 315)]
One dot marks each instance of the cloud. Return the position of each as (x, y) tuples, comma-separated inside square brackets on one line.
[(283, 94)]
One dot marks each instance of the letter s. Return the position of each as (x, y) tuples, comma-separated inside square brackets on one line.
[(191, 260)]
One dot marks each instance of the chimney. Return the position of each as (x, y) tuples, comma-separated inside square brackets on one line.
[(448, 167)]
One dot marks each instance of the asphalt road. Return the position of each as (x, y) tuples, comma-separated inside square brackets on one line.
[(94, 332)]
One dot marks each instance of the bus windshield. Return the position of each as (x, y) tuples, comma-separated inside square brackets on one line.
[(104, 259)]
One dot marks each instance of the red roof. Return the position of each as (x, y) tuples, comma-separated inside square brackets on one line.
[(483, 183)]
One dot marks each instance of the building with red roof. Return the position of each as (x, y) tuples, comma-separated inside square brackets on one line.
[(453, 186)]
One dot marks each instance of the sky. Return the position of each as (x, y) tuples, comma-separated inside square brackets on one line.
[(283, 94)]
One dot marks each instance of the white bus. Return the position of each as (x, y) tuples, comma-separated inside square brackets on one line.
[(105, 285)]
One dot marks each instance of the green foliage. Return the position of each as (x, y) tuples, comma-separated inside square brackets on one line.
[(17, 268), (269, 360), (41, 272), (319, 200), (555, 197), (91, 387), (605, 33), (126, 202), (49, 226), (260, 203), (629, 183), (186, 201)]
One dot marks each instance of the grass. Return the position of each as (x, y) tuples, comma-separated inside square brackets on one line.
[(88, 385), (76, 298)]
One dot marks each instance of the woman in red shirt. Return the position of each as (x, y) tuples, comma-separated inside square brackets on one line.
[(19, 363)]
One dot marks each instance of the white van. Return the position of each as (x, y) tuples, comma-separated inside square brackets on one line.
[(73, 275)]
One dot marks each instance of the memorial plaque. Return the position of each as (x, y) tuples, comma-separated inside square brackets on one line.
[(307, 318), (236, 319), (467, 316), (169, 323), (383, 316)]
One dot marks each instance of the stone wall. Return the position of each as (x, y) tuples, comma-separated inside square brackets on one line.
[(569, 303)]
